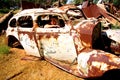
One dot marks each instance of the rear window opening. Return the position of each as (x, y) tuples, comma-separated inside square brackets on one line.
[(25, 21)]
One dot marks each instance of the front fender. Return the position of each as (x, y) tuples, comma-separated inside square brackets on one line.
[(93, 63)]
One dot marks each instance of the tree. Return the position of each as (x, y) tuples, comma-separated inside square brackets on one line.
[(78, 1)]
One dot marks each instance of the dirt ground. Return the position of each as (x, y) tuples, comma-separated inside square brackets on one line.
[(18, 66)]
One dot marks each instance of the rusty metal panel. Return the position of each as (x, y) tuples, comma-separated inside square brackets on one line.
[(91, 11), (96, 62), (89, 63), (115, 47), (95, 11), (55, 44), (27, 39), (86, 33), (110, 18)]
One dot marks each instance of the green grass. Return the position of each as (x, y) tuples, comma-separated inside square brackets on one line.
[(4, 49), (115, 26)]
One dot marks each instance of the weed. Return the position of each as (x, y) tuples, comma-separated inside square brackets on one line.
[(4, 49)]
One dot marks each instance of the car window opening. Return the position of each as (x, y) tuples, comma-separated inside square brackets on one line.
[(49, 21), (25, 21)]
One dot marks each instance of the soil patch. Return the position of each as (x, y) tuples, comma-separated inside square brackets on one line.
[(18, 66)]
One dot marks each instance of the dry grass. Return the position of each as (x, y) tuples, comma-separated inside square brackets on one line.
[(4, 49), (13, 66), (1, 14)]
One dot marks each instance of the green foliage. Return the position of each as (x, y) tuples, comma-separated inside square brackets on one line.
[(95, 1), (5, 10), (115, 26), (78, 1), (4, 49), (116, 2)]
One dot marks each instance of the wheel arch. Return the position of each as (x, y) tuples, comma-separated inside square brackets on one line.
[(13, 42)]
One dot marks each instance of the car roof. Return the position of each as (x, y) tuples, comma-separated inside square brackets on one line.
[(39, 10)]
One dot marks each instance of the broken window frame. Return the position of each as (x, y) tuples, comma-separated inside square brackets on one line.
[(27, 22)]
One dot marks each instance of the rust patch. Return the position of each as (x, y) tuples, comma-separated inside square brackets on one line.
[(47, 35), (94, 71), (95, 11), (102, 60), (12, 30), (97, 62), (30, 34), (86, 32), (115, 47), (91, 11)]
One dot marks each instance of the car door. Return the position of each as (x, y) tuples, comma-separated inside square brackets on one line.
[(27, 35), (56, 43)]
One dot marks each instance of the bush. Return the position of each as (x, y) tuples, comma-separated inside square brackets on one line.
[(4, 49), (116, 3), (5, 10), (115, 26)]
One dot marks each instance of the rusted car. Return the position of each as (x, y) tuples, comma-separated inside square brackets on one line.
[(72, 45)]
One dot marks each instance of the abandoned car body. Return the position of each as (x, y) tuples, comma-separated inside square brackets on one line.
[(71, 45)]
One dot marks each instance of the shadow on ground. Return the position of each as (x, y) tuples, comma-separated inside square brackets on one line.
[(109, 75)]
